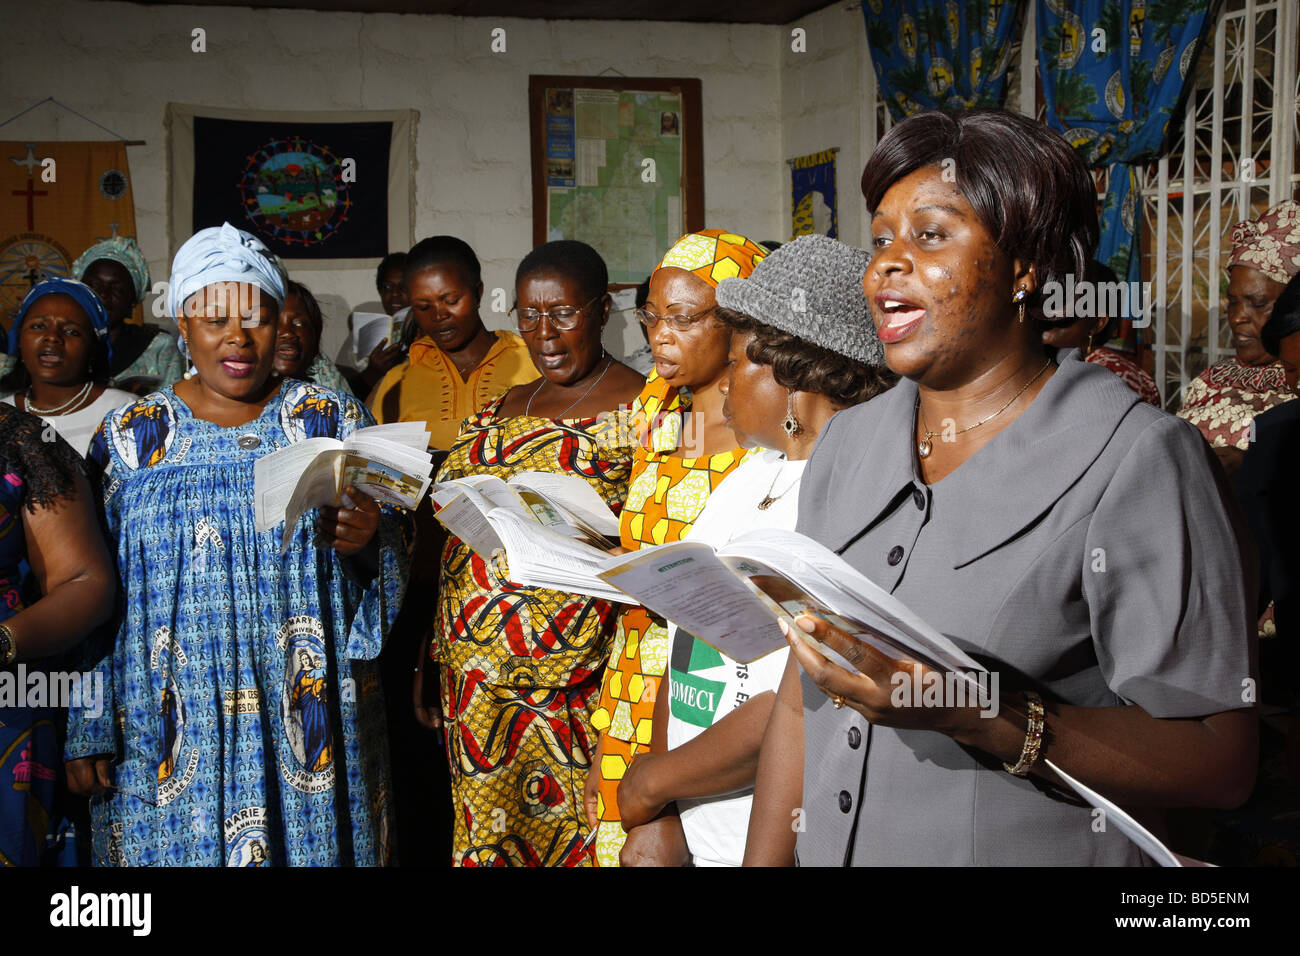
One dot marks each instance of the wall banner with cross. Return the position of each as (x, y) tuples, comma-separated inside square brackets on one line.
[(56, 200)]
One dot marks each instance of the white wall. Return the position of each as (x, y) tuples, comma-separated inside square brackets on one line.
[(121, 63), (825, 102)]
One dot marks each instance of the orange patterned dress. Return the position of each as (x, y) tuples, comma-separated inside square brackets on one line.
[(665, 496), (521, 665)]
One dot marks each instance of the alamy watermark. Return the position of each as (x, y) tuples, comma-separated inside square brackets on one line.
[(20, 687), (1092, 300), (947, 689)]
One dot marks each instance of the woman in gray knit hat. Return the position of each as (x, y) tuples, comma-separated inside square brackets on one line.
[(803, 346)]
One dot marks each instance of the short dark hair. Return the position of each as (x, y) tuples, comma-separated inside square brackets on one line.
[(1027, 185), (1097, 273), (805, 367), (1285, 318), (394, 260), (571, 258), (442, 251), (309, 305)]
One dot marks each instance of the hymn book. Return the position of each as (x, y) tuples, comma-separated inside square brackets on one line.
[(555, 530), (390, 463)]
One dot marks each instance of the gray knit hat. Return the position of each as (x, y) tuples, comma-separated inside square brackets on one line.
[(812, 289)]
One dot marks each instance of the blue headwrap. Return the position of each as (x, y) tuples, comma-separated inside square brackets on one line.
[(222, 254), (82, 294)]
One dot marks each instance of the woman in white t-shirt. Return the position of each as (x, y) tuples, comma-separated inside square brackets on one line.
[(60, 339), (803, 346)]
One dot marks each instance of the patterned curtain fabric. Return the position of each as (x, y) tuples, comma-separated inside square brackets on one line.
[(940, 53), (1113, 75)]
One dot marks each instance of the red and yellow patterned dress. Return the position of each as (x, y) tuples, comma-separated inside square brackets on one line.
[(664, 498), (521, 666)]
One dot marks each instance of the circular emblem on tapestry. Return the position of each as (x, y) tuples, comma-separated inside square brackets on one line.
[(292, 191), (26, 259), (112, 184)]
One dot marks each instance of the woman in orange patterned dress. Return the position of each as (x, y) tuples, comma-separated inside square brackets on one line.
[(686, 449), (521, 665)]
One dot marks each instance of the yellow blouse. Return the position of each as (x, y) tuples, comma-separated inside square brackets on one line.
[(428, 388)]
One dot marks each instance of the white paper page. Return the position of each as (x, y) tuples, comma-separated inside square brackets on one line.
[(412, 436), (415, 462), (852, 593), (686, 583), (368, 330), (275, 476), (462, 517), (541, 557), (573, 495), (1124, 822), (495, 493), (319, 485)]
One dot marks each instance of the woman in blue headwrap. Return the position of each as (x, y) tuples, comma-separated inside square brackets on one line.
[(209, 744), (60, 339)]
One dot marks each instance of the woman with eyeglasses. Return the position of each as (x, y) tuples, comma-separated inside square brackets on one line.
[(521, 665), (686, 448), (456, 366)]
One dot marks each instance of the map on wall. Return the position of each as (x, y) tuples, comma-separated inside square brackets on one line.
[(615, 169)]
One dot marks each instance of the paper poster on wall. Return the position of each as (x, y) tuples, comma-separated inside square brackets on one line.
[(612, 163), (813, 204)]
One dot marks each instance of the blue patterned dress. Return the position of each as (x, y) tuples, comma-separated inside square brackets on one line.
[(246, 716)]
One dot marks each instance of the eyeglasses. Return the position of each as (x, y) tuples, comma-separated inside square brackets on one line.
[(563, 317), (678, 323)]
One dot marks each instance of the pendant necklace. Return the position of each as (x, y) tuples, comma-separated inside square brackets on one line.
[(769, 499), (926, 445)]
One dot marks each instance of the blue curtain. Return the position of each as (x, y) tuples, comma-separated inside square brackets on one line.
[(1114, 75), (940, 53)]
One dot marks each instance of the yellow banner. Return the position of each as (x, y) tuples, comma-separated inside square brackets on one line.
[(57, 200)]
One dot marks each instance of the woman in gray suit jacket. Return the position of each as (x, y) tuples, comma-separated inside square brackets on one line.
[(1030, 506)]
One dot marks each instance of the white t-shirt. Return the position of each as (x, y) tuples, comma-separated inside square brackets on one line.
[(78, 428), (706, 685)]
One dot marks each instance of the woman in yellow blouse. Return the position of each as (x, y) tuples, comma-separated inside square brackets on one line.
[(456, 366)]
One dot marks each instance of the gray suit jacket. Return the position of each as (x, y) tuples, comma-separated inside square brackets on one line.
[(1088, 552)]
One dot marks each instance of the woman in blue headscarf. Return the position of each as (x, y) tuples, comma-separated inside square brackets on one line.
[(61, 342), (243, 681)]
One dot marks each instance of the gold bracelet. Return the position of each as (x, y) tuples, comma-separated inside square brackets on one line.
[(8, 646), (1033, 737)]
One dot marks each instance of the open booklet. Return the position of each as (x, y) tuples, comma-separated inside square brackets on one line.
[(390, 463), (371, 328), (732, 598), (556, 530)]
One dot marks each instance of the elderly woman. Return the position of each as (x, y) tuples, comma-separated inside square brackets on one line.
[(47, 519), (143, 356), (243, 719), (61, 340), (1030, 506), (297, 341), (687, 449), (790, 370), (521, 665), (1225, 398), (456, 366)]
